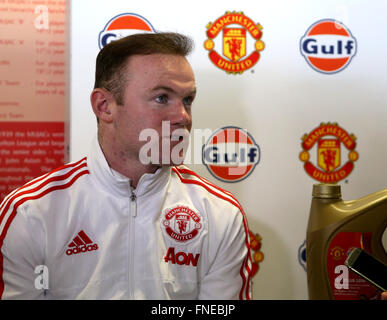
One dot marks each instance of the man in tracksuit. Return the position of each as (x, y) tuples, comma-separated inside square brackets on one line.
[(121, 223)]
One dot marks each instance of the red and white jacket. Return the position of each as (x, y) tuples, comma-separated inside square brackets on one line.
[(176, 236)]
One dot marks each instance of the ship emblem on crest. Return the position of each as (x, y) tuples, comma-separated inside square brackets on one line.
[(236, 28), (328, 137), (182, 223)]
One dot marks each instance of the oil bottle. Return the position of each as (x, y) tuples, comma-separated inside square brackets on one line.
[(334, 228)]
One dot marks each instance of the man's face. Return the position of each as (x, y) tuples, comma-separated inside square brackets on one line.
[(159, 88)]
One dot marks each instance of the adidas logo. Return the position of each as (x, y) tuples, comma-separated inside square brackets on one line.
[(81, 244)]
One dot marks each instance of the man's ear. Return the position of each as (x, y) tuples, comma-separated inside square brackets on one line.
[(103, 103)]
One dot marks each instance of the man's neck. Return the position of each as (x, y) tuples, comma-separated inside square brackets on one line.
[(130, 167)]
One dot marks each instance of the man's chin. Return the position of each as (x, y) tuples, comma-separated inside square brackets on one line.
[(172, 159), (171, 163)]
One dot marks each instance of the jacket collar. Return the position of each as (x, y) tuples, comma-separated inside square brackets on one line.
[(119, 184)]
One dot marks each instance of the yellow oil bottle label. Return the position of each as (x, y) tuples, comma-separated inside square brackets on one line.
[(345, 284)]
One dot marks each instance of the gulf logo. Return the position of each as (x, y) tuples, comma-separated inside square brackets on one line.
[(328, 46), (231, 154), (123, 25)]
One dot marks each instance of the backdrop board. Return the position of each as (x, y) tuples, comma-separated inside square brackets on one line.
[(275, 74), (32, 90)]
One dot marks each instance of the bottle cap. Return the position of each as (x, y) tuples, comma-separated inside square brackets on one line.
[(327, 191)]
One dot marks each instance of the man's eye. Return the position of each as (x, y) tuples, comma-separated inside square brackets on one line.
[(188, 101), (162, 99)]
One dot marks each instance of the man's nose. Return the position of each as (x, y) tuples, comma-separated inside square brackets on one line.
[(181, 115)]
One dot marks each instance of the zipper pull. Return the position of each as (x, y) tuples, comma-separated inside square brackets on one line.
[(133, 205)]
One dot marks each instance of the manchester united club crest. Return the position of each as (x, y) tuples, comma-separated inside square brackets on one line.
[(329, 140), (182, 223), (237, 31)]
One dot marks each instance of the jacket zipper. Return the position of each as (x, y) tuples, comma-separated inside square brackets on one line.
[(133, 204), (133, 214)]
